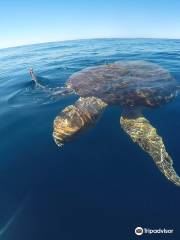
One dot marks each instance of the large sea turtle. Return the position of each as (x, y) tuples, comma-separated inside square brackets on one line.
[(130, 84)]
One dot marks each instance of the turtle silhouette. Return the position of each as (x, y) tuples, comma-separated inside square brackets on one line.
[(132, 85)]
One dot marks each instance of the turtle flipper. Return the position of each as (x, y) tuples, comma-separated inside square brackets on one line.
[(39, 82), (145, 135), (76, 117), (36, 79)]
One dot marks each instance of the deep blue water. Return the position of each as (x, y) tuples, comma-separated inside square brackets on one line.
[(98, 186)]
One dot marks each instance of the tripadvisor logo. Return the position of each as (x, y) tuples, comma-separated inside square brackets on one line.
[(139, 231)]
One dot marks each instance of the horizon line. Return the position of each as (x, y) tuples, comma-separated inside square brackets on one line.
[(94, 38)]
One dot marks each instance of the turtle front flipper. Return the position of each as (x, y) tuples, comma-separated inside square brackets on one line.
[(76, 117), (145, 135)]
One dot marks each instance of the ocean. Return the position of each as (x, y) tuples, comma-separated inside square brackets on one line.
[(99, 185)]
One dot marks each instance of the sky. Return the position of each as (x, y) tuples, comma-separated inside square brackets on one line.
[(37, 21)]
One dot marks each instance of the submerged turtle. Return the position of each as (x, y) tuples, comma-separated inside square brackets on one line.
[(130, 84)]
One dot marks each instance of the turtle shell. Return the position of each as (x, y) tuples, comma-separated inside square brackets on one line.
[(126, 83)]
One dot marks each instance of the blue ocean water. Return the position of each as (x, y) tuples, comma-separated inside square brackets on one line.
[(98, 186)]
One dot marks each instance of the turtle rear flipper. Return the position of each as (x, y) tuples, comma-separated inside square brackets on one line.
[(145, 135), (40, 82), (36, 79)]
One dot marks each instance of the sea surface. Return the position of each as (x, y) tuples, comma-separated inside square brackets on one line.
[(99, 185)]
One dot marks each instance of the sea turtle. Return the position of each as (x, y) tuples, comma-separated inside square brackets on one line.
[(130, 84)]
